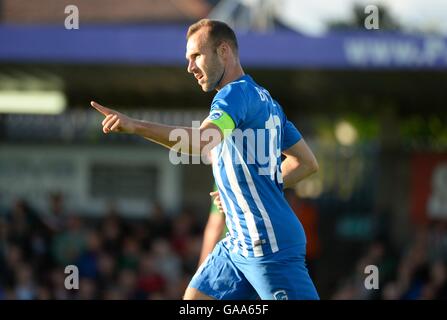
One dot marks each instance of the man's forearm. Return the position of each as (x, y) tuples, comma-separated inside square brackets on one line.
[(293, 172), (157, 133), (181, 139)]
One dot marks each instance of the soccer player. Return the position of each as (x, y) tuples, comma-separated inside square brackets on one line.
[(264, 253)]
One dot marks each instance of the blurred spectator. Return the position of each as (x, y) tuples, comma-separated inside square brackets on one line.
[(12, 261), (25, 287), (150, 281), (130, 256), (87, 290), (88, 259), (112, 231), (57, 284), (55, 219), (184, 226), (69, 244), (158, 224), (167, 262), (22, 222), (127, 284)]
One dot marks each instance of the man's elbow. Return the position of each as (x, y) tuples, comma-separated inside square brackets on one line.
[(314, 167)]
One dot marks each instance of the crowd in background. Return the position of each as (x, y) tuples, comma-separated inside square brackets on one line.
[(117, 258), (155, 257), (416, 272)]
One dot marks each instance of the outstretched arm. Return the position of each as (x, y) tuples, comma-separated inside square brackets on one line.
[(192, 140), (300, 163)]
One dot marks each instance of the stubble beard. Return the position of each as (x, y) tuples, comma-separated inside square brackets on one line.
[(215, 76)]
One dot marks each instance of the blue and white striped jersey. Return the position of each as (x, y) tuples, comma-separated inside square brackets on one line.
[(247, 170)]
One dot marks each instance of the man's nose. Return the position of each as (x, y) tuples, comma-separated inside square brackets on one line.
[(191, 66)]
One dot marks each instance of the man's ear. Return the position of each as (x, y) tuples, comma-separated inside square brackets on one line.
[(222, 50)]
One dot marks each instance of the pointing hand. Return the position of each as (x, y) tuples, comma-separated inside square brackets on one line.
[(114, 121)]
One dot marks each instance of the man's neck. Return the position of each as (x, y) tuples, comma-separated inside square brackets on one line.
[(231, 74)]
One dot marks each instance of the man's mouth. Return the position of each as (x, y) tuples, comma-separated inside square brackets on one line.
[(199, 77)]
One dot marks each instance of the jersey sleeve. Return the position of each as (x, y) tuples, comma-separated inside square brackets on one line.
[(291, 135), (231, 101), (222, 120)]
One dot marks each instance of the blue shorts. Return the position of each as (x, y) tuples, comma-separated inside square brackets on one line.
[(279, 276)]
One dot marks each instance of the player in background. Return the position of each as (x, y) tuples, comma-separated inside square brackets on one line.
[(264, 253), (215, 228)]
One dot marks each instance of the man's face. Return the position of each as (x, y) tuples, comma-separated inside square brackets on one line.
[(203, 60)]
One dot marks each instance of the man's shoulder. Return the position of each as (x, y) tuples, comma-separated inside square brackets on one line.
[(238, 89)]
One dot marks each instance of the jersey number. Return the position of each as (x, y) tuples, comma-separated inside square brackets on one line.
[(273, 125)]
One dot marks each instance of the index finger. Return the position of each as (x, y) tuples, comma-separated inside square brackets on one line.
[(105, 111)]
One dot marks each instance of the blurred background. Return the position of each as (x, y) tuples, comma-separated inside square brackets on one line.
[(371, 104)]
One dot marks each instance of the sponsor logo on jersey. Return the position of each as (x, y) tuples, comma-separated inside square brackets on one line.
[(280, 295)]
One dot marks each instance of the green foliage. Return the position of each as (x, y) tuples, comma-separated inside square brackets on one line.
[(424, 132)]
